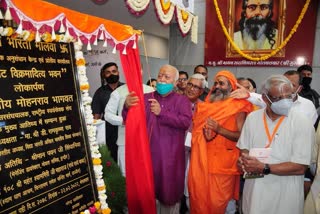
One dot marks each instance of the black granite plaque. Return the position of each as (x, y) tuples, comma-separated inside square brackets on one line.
[(45, 164)]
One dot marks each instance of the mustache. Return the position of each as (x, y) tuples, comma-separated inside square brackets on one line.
[(255, 26), (254, 21)]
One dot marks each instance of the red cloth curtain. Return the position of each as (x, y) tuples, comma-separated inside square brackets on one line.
[(139, 176)]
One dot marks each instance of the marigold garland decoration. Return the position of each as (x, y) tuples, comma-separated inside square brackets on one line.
[(137, 7), (100, 206), (164, 11), (274, 52), (96, 161), (184, 20)]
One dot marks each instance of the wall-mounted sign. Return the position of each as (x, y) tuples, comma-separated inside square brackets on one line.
[(45, 164)]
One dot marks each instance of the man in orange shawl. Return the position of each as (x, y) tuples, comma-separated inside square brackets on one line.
[(217, 122)]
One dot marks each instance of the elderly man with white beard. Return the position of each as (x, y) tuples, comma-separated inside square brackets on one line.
[(257, 29)]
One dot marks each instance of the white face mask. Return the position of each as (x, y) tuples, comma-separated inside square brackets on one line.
[(281, 107)]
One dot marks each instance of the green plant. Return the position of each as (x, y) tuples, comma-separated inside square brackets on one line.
[(115, 182)]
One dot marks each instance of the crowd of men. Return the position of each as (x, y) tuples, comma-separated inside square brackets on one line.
[(211, 147)]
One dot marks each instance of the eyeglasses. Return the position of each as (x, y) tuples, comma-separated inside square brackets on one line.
[(182, 79), (253, 7), (275, 99), (195, 87)]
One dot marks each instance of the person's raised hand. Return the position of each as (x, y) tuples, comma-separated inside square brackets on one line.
[(240, 93), (131, 100)]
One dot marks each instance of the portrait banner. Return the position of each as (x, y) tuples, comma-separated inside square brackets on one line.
[(257, 28)]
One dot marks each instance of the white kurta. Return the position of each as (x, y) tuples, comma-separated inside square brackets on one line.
[(312, 204), (292, 143)]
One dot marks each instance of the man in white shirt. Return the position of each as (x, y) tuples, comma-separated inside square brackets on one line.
[(285, 139), (113, 115), (312, 203), (300, 104)]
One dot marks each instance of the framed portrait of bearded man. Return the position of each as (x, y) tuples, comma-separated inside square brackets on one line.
[(256, 26)]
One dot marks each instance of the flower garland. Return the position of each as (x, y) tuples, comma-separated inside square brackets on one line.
[(101, 206), (138, 7), (184, 20), (164, 10), (274, 52)]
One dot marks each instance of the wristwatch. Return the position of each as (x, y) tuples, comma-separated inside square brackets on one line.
[(266, 169)]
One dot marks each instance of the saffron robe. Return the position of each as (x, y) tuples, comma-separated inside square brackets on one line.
[(217, 157)]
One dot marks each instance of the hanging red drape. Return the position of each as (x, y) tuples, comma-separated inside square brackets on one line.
[(139, 176)]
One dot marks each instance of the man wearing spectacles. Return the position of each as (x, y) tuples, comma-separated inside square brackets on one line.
[(213, 176), (276, 145), (257, 29), (203, 70), (182, 82), (194, 89)]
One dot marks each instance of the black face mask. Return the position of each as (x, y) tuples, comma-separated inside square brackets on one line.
[(112, 79), (306, 81)]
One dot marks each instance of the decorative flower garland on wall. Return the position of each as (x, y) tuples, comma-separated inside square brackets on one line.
[(165, 11), (184, 20), (100, 206), (274, 52), (137, 7)]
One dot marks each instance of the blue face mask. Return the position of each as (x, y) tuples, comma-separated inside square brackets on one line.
[(164, 88)]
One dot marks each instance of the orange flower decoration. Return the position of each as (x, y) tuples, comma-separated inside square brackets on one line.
[(80, 62), (46, 37), (97, 205), (96, 161), (101, 188), (84, 87), (10, 31), (106, 211), (31, 37)]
